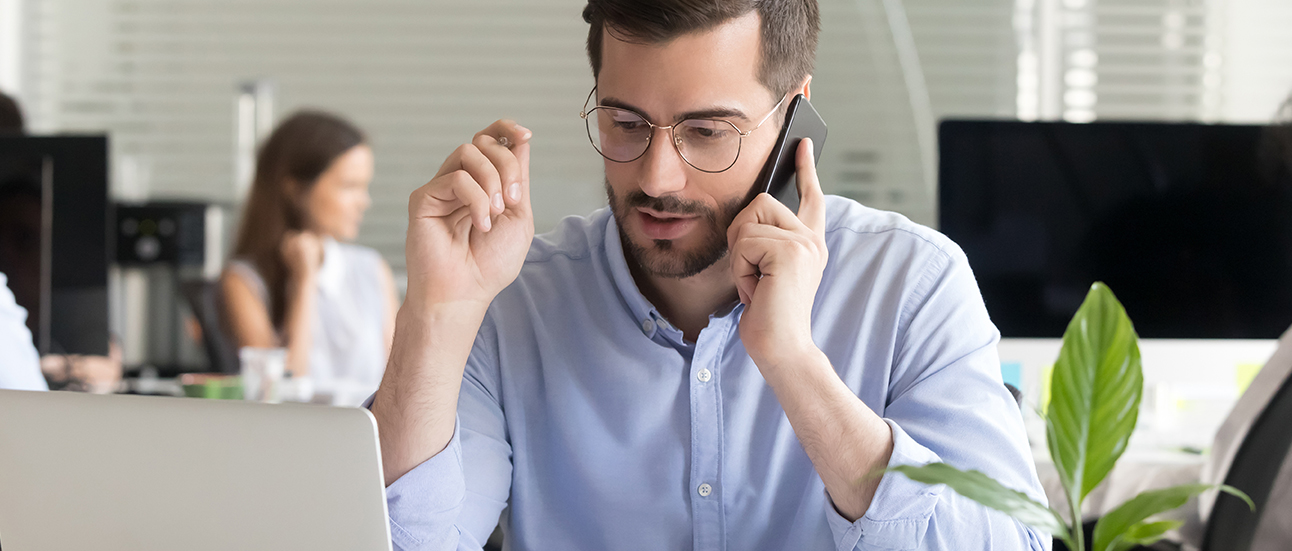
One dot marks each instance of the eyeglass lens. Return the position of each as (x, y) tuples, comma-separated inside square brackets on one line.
[(621, 135)]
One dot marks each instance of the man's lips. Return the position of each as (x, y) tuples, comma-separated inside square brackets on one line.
[(664, 225)]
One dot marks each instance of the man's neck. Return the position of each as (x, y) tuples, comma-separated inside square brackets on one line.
[(687, 303)]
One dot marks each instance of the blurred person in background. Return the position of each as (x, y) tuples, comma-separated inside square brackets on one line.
[(294, 280), (19, 362), (21, 367), (10, 115)]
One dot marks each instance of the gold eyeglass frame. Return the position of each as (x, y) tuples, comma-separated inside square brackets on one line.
[(677, 142)]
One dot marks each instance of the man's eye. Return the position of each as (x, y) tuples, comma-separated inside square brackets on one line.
[(706, 130)]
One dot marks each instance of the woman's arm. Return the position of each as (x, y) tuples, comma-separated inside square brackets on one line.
[(246, 317), (298, 330), (303, 254)]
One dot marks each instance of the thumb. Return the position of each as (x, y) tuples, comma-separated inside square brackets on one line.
[(811, 198)]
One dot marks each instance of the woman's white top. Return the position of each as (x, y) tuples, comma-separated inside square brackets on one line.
[(348, 352)]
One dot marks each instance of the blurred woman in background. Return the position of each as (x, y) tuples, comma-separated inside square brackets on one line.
[(294, 280)]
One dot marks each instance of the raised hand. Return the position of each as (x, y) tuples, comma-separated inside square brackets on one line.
[(470, 227), (302, 252)]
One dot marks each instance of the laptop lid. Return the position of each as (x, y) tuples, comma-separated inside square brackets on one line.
[(79, 471)]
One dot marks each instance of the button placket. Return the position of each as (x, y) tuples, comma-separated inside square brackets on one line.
[(706, 436)]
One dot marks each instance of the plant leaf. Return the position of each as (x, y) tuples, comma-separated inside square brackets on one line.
[(1095, 392), (986, 491), (1124, 522), (1144, 533)]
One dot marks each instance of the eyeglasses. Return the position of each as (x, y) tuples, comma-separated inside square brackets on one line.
[(623, 136)]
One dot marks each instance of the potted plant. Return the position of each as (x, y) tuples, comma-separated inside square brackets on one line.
[(1095, 395)]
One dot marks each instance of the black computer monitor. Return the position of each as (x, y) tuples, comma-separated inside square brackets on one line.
[(54, 238), (1189, 224)]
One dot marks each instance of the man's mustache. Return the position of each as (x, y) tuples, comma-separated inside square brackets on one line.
[(666, 204)]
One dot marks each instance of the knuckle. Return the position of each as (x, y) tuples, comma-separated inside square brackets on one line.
[(458, 178), (465, 150)]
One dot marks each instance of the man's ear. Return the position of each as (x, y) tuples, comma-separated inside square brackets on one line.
[(805, 88)]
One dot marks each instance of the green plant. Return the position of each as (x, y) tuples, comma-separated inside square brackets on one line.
[(1095, 392)]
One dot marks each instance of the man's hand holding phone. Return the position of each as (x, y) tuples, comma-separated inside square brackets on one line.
[(777, 260)]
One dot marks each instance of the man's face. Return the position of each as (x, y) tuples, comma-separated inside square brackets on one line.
[(672, 217)]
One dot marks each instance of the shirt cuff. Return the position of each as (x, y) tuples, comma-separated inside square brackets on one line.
[(899, 513), (425, 502)]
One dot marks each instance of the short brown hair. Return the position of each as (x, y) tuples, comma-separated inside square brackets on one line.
[(789, 30)]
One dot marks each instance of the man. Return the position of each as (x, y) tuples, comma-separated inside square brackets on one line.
[(19, 362), (687, 368), (21, 366)]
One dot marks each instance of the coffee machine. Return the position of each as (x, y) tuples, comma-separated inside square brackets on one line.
[(168, 259)]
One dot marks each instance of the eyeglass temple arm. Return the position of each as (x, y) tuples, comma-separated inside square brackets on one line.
[(584, 113), (769, 114)]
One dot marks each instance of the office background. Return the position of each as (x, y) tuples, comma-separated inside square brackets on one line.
[(182, 86)]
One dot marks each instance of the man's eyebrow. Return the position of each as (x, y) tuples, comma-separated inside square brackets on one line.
[(709, 113)]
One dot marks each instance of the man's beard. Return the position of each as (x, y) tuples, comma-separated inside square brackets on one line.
[(662, 259)]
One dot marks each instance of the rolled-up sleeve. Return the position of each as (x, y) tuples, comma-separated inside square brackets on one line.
[(947, 403), (452, 500), (428, 499)]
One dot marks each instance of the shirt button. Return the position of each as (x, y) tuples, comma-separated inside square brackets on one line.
[(648, 326), (704, 490), (704, 375)]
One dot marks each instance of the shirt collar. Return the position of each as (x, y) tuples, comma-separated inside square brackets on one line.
[(641, 308)]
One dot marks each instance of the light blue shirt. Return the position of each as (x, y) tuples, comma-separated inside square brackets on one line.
[(586, 415), (19, 361)]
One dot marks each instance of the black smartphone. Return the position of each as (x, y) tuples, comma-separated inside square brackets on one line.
[(778, 175)]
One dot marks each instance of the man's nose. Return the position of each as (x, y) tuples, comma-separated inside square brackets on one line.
[(663, 171)]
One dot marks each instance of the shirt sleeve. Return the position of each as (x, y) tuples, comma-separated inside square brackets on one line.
[(452, 501), (20, 369), (947, 402)]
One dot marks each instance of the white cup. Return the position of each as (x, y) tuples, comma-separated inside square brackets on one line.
[(262, 373)]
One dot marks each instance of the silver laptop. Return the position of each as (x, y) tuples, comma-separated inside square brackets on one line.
[(144, 473)]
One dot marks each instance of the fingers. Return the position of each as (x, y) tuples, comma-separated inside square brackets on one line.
[(759, 251), (764, 209), (504, 161), (483, 170), (507, 132), (450, 193), (486, 176), (811, 198), (468, 191), (515, 138), (753, 255)]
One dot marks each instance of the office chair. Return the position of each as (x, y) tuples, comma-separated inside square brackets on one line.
[(203, 298), (1232, 525)]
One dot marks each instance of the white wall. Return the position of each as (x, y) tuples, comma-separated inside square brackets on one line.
[(1256, 60), (423, 75), (10, 46)]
